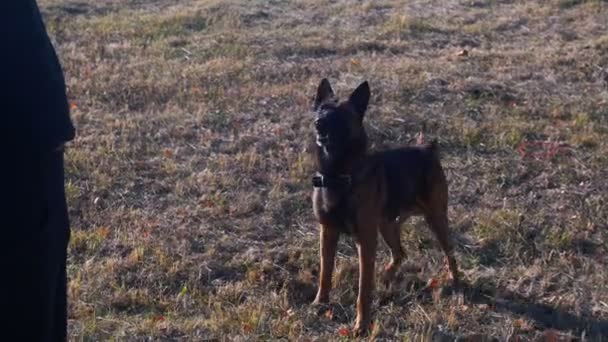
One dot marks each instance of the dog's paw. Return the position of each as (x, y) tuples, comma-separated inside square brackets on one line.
[(388, 276), (321, 300), (361, 330), (319, 308)]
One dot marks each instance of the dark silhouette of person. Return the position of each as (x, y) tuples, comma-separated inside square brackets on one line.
[(34, 230)]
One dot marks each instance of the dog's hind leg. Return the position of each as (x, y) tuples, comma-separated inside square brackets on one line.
[(391, 233), (438, 222)]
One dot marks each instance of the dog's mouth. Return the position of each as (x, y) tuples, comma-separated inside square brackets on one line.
[(322, 139)]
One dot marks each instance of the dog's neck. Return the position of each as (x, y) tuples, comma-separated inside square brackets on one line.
[(331, 163)]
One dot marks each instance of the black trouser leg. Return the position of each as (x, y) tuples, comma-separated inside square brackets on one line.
[(58, 226), (33, 277), (60, 315)]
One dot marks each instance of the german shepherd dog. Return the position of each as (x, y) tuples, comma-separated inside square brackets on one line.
[(361, 193)]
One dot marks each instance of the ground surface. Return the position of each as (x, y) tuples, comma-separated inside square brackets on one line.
[(189, 181)]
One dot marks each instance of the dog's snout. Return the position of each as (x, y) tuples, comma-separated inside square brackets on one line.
[(320, 125)]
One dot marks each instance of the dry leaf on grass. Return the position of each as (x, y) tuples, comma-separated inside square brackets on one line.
[(463, 53)]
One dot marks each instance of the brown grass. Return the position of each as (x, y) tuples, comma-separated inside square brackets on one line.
[(189, 188)]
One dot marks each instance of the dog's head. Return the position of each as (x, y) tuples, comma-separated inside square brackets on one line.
[(339, 130)]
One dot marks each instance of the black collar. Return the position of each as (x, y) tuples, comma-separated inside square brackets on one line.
[(332, 182)]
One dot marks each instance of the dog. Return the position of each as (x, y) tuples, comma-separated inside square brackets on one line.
[(362, 194)]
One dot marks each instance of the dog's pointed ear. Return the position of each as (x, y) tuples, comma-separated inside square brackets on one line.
[(324, 93), (359, 99)]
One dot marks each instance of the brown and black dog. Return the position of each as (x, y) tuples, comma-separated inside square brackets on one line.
[(361, 193)]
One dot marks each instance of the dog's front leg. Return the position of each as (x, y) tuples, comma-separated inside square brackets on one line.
[(366, 247), (328, 244)]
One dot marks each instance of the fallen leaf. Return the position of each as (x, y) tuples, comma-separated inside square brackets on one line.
[(247, 328), (463, 53), (518, 323), (103, 232), (329, 314), (73, 106), (433, 283), (167, 153)]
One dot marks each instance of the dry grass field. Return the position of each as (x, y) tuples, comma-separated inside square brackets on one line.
[(189, 181)]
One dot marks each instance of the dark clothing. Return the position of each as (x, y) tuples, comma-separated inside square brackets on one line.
[(34, 233), (35, 111), (34, 292)]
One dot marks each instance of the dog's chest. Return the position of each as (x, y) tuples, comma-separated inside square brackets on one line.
[(332, 208)]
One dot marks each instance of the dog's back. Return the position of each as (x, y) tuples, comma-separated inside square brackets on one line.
[(414, 177)]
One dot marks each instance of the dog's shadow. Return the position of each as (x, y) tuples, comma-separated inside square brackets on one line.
[(482, 291), (545, 316)]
